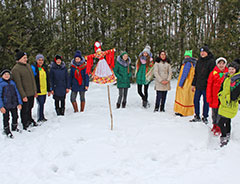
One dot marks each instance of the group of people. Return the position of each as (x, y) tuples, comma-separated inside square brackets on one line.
[(24, 82), (205, 76)]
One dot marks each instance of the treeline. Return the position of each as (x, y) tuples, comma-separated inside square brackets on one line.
[(62, 26)]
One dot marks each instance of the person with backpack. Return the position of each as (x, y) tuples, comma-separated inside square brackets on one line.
[(10, 101)]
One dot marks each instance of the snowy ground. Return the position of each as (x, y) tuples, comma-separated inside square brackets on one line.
[(143, 148)]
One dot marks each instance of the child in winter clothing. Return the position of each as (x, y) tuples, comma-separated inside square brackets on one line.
[(183, 105), (123, 73), (229, 99), (10, 100), (79, 80), (143, 67), (40, 72), (59, 83), (163, 75), (215, 81)]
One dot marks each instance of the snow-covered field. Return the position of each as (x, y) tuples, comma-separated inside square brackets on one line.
[(143, 148)]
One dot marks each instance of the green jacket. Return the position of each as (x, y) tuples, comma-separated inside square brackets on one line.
[(122, 70), (22, 75), (228, 108)]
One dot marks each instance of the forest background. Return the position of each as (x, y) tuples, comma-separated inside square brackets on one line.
[(61, 27)]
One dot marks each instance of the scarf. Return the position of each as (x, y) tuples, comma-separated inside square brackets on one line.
[(77, 73)]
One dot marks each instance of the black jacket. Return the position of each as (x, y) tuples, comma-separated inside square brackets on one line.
[(202, 70)]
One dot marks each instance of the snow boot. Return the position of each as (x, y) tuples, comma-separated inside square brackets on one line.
[(195, 119), (156, 108), (117, 105), (8, 132), (75, 106), (223, 141), (82, 106), (124, 105), (62, 110), (144, 104), (217, 131), (162, 108), (204, 120), (58, 111)]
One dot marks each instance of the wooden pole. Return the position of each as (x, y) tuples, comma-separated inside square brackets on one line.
[(110, 107)]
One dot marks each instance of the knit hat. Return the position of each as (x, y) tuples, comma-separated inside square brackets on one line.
[(221, 59), (204, 48), (39, 56), (78, 54), (5, 71), (123, 53), (19, 54), (188, 53), (235, 64), (57, 57), (147, 49)]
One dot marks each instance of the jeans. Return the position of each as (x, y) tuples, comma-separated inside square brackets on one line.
[(160, 99), (41, 99), (197, 96)]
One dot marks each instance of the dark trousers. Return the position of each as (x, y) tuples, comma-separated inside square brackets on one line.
[(6, 118), (225, 125), (41, 99), (26, 112), (122, 95), (57, 103), (160, 99), (197, 96), (215, 116), (145, 95)]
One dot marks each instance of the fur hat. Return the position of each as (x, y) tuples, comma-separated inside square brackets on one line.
[(19, 54), (39, 56), (5, 71), (221, 59)]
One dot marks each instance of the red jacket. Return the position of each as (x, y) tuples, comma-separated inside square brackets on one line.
[(215, 80)]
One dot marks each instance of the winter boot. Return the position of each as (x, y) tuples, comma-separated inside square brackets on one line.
[(14, 127), (144, 103), (82, 106), (124, 105), (58, 111), (8, 132), (195, 119), (217, 131), (117, 105), (62, 110), (204, 120), (178, 114), (223, 141), (33, 123), (75, 106), (162, 108), (156, 109)]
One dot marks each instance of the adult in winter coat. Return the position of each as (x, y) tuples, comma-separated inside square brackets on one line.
[(163, 75), (215, 81), (143, 67), (204, 66), (79, 80), (22, 75), (41, 75), (10, 100), (59, 83), (229, 97), (183, 105), (122, 71)]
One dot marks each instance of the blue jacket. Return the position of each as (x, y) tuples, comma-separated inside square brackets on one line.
[(9, 95), (188, 64), (74, 82), (59, 79)]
